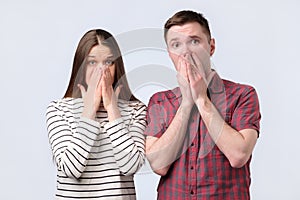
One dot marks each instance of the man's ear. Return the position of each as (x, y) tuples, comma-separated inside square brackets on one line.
[(212, 46)]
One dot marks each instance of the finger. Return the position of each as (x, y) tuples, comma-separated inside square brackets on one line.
[(178, 64), (198, 64), (196, 61), (118, 90), (181, 80), (82, 90), (108, 77), (182, 63), (95, 77), (185, 67), (111, 78), (180, 69), (103, 82), (98, 74), (210, 76), (99, 85), (104, 76), (191, 62), (102, 88), (191, 73)]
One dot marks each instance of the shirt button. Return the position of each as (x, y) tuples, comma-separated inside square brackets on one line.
[(192, 144), (192, 167), (192, 191)]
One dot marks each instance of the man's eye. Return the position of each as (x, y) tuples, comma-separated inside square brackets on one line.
[(175, 45), (195, 42)]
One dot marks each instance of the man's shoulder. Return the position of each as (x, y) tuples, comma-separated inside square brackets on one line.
[(232, 86), (166, 95), (238, 89)]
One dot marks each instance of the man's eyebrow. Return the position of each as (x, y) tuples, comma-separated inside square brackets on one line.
[(195, 37), (174, 39)]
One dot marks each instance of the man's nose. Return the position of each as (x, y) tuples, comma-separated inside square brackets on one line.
[(185, 50)]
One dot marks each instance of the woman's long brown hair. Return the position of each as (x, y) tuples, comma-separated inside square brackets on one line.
[(87, 42)]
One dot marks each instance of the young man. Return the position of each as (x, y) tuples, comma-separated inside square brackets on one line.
[(200, 135)]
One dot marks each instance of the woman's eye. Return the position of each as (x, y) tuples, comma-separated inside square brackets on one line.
[(108, 62), (92, 62)]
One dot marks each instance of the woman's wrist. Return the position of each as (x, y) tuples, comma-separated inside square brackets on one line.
[(88, 114), (113, 112)]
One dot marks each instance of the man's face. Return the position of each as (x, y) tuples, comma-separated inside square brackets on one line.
[(187, 39)]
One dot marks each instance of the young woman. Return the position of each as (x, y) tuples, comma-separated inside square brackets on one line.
[(96, 129)]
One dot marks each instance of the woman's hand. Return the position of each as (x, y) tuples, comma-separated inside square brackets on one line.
[(92, 96), (110, 97)]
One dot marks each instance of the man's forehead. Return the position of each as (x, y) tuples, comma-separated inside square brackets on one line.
[(186, 30)]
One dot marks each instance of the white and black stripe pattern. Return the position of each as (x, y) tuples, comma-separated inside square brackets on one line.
[(96, 159)]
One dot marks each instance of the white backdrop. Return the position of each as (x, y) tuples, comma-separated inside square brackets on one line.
[(257, 42)]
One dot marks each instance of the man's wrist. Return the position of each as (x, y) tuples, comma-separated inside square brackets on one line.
[(204, 104), (185, 109)]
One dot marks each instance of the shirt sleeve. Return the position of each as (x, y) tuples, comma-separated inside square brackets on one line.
[(246, 114), (128, 141), (156, 124), (70, 146)]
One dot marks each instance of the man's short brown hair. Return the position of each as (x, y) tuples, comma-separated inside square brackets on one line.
[(186, 16)]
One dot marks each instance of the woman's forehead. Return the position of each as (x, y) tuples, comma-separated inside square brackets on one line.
[(100, 50)]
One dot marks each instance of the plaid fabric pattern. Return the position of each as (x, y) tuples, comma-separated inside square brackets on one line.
[(202, 171)]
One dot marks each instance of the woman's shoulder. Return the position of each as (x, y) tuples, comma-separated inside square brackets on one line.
[(131, 104), (65, 103)]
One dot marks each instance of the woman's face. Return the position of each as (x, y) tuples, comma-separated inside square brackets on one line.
[(99, 56)]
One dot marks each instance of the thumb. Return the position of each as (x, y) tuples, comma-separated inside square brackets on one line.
[(118, 90), (82, 90), (210, 77)]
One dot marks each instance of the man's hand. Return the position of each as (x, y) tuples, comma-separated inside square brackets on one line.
[(183, 81), (198, 78)]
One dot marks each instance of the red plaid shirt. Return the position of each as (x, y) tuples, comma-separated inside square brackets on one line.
[(202, 171)]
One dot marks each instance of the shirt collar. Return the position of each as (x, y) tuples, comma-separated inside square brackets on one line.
[(216, 85)]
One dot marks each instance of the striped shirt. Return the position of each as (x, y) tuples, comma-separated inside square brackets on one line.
[(96, 159)]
